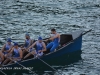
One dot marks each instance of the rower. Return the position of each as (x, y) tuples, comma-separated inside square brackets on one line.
[(7, 47), (40, 48), (17, 53), (28, 43), (1, 57), (55, 38)]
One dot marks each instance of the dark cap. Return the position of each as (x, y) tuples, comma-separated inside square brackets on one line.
[(9, 40), (39, 38), (27, 34), (15, 44)]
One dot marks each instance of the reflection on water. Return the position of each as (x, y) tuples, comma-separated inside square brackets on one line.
[(38, 16)]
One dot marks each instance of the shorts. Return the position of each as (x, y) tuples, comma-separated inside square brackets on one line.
[(32, 49), (39, 54), (5, 53), (17, 59)]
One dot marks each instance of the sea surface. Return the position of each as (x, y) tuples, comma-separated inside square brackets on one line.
[(37, 17)]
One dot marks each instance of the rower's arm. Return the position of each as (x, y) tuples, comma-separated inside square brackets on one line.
[(21, 54), (2, 57), (3, 48), (47, 39), (32, 45), (57, 36), (32, 41), (10, 49), (44, 47)]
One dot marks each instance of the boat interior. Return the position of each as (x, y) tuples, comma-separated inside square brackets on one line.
[(64, 40)]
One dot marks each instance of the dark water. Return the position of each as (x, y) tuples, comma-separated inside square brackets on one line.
[(38, 16)]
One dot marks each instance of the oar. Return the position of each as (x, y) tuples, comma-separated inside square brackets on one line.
[(3, 72), (49, 65), (87, 32), (45, 63)]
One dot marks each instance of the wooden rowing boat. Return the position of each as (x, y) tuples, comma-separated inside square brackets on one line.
[(69, 51)]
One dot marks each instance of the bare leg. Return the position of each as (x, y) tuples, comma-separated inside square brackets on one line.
[(29, 54), (7, 58), (10, 62), (5, 62), (24, 51)]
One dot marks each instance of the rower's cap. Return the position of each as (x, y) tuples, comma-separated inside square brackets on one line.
[(27, 34), (9, 40), (15, 44), (39, 38)]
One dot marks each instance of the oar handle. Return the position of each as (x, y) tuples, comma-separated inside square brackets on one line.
[(87, 32)]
